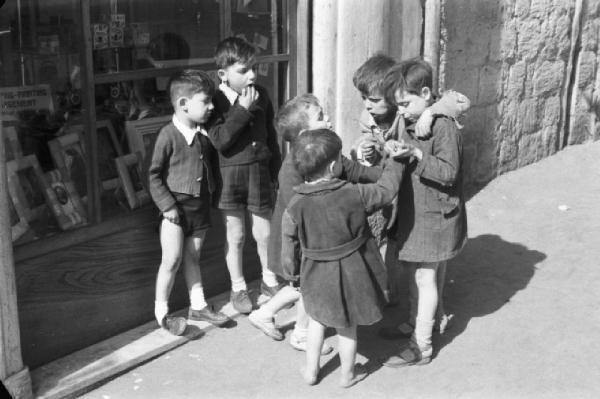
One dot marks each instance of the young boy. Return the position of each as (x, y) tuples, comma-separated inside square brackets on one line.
[(298, 114), (181, 184), (380, 122), (249, 158), (431, 224)]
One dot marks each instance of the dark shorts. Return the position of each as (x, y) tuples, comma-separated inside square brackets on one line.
[(246, 187), (194, 213)]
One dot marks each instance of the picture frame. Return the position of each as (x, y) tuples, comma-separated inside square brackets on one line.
[(108, 150), (68, 208), (142, 134), (17, 215), (12, 146), (30, 187), (68, 154), (130, 173)]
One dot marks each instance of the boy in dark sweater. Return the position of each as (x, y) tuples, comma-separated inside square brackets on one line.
[(181, 184), (249, 159)]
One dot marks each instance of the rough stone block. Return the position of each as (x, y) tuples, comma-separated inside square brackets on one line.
[(539, 8), (589, 35), (508, 41), (516, 80), (548, 78), (522, 8), (507, 156), (529, 145), (529, 40), (527, 120), (586, 69), (552, 111)]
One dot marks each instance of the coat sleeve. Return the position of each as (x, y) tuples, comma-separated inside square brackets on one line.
[(290, 248), (382, 192), (161, 195), (443, 164), (224, 129), (354, 172)]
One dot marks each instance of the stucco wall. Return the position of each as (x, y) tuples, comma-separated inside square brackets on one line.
[(519, 61)]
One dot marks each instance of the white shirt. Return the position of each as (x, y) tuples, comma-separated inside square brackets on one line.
[(231, 94), (188, 133)]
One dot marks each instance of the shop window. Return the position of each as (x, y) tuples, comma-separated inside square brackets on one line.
[(136, 45)]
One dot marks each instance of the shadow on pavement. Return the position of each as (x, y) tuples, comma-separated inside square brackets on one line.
[(486, 275)]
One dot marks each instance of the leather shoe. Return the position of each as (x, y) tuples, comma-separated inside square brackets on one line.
[(174, 325), (241, 301), (266, 325), (208, 314), (269, 291)]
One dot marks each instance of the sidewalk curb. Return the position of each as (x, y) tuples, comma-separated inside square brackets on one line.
[(76, 373)]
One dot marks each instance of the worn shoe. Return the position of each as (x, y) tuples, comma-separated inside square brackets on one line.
[(299, 343), (241, 301), (174, 325), (269, 291), (404, 330), (412, 355), (266, 325), (208, 314)]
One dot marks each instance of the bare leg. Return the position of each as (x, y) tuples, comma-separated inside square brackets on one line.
[(284, 297), (261, 230), (191, 270), (441, 278), (171, 242), (235, 229), (347, 352), (316, 335), (426, 280)]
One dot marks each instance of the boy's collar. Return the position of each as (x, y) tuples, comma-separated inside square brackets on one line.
[(231, 94), (331, 184), (188, 133)]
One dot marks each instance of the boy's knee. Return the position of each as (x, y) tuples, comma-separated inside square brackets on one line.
[(170, 263), (261, 235), (235, 237)]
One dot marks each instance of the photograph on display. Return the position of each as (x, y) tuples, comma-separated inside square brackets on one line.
[(131, 179), (68, 156), (68, 210), (30, 186), (142, 134), (108, 150)]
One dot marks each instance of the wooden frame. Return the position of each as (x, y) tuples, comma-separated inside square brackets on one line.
[(68, 154), (142, 134), (30, 187), (17, 214), (108, 150), (130, 173), (12, 146), (68, 210)]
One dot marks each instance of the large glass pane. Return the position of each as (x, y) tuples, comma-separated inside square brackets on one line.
[(40, 98), (262, 22)]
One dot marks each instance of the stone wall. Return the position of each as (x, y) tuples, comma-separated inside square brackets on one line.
[(525, 65)]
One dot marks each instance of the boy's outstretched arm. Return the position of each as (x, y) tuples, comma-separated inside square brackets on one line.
[(354, 172), (290, 248), (452, 104), (382, 192)]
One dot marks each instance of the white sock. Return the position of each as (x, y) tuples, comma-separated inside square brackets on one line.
[(161, 309), (238, 285), (422, 333), (300, 333), (197, 300), (269, 277)]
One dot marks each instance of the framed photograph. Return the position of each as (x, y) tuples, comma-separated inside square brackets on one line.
[(18, 220), (142, 134), (108, 150), (69, 158), (68, 208), (12, 146), (30, 186), (130, 173)]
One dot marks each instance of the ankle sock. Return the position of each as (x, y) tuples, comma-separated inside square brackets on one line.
[(197, 300), (422, 333), (269, 278), (161, 309), (238, 284)]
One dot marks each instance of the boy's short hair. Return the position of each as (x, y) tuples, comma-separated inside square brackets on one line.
[(409, 76), (368, 78), (292, 117), (232, 50), (313, 150), (190, 82)]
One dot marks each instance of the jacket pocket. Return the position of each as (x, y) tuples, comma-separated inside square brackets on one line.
[(448, 203)]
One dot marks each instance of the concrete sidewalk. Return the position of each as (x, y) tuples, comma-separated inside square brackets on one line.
[(524, 293)]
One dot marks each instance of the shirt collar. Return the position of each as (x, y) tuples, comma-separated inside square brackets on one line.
[(229, 93), (188, 133)]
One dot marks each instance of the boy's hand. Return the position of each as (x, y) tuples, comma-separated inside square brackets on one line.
[(368, 148), (248, 97), (398, 149), (423, 126), (171, 215)]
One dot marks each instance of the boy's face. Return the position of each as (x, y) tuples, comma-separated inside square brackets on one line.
[(198, 107), (239, 76), (410, 105), (316, 118), (376, 105)]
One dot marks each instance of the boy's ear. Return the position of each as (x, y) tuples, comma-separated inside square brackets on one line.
[(222, 75), (182, 102), (426, 93)]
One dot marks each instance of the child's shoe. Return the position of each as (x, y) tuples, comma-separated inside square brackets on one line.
[(174, 325), (412, 355), (299, 343), (267, 291), (241, 301), (265, 324), (210, 315)]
